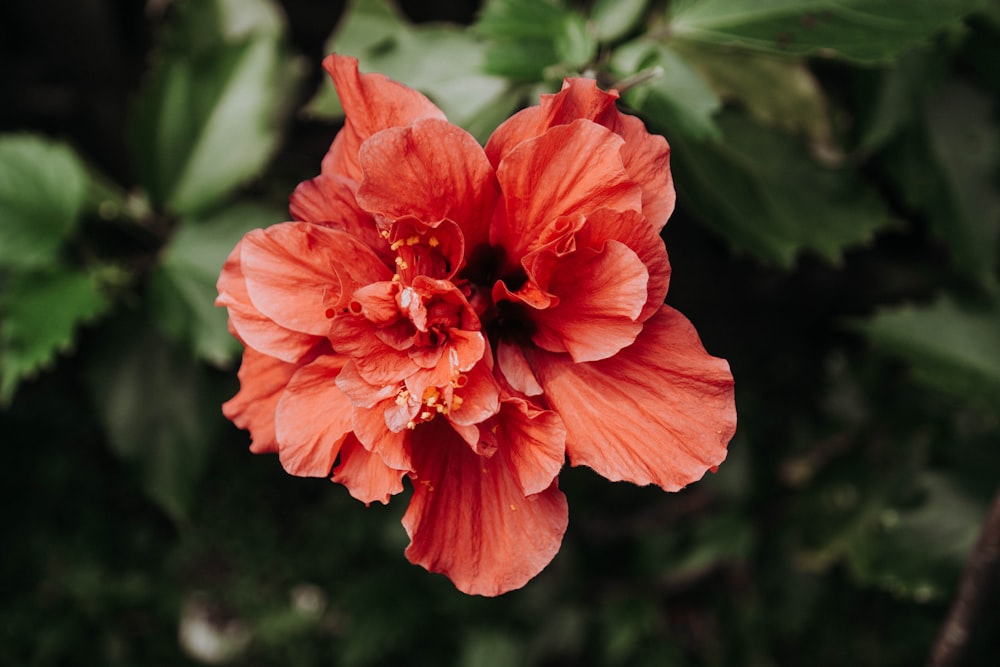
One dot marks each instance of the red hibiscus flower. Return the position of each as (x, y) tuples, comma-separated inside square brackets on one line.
[(468, 317)]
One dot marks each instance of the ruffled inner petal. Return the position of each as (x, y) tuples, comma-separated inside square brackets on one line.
[(571, 169), (629, 228), (365, 474), (313, 418), (301, 274), (601, 294), (393, 447), (646, 156)]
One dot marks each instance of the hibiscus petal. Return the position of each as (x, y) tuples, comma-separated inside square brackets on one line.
[(361, 393), (469, 519), (536, 442), (249, 324), (365, 475), (601, 293), (432, 171), (646, 156), (377, 362), (647, 161), (262, 381), (479, 395), (371, 103), (524, 125), (516, 370), (392, 447), (300, 274), (661, 411), (580, 98), (313, 418), (568, 170), (329, 200), (629, 228)]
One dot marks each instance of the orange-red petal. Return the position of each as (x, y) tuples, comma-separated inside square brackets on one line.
[(601, 294), (647, 161), (371, 103), (516, 370), (536, 443), (430, 170), (262, 381), (255, 329), (661, 411), (646, 157), (329, 200), (299, 274), (365, 475), (313, 418), (470, 520), (568, 170), (629, 228)]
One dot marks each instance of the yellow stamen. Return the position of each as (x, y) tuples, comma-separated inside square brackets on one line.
[(402, 396)]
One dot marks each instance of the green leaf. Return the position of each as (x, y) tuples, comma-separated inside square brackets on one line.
[(917, 549), (954, 179), (949, 346), (41, 312), (211, 113), (675, 98), (779, 93), (864, 31), (182, 292), (444, 62), (765, 194), (492, 649), (895, 99), (43, 188), (614, 19), (534, 40), (158, 409)]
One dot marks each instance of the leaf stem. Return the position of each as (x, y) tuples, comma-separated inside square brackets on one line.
[(979, 579)]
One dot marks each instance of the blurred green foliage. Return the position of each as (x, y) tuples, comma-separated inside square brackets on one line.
[(837, 240)]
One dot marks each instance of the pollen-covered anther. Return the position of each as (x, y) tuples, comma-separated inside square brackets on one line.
[(431, 396), (409, 240), (401, 263), (402, 396)]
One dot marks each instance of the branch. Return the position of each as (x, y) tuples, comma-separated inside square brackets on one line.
[(977, 582)]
